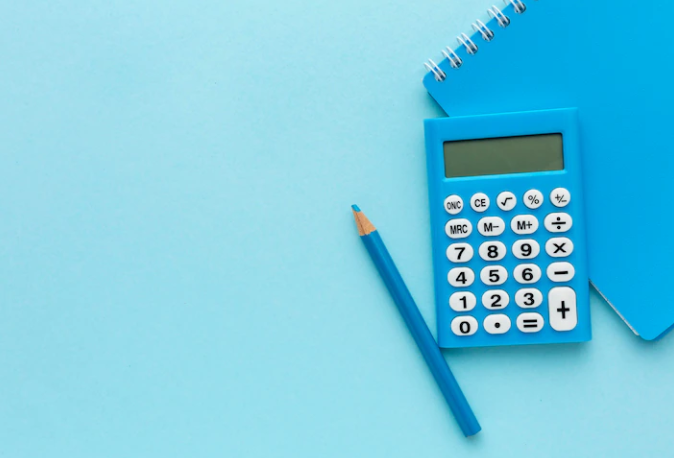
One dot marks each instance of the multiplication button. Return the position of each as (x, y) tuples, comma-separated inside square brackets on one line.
[(559, 247), (453, 204)]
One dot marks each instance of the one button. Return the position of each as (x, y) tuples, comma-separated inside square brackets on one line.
[(561, 271), (559, 247), (530, 322), (528, 298), (524, 224), (491, 226), (527, 273), (496, 324), (460, 252), (526, 249), (492, 251), (453, 204), (462, 301), (464, 325), (506, 201), (479, 202), (494, 275), (533, 198), (558, 222), (562, 308), (560, 197), (458, 228), (461, 276), (495, 299)]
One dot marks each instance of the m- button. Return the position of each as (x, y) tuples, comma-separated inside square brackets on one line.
[(458, 228), (491, 226)]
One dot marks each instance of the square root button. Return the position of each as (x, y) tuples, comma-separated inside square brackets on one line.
[(562, 308)]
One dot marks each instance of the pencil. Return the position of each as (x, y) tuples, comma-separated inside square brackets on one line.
[(415, 322)]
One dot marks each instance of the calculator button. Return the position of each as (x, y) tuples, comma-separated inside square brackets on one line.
[(479, 202), (559, 247), (527, 273), (496, 324), (495, 299), (461, 276), (460, 252), (524, 224), (530, 322), (506, 201), (528, 298), (533, 198), (526, 249), (462, 301), (494, 275), (464, 325), (560, 197), (458, 228), (492, 251), (558, 222), (491, 226), (562, 308), (453, 204), (561, 271)]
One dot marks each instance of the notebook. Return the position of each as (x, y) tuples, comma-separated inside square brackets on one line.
[(613, 62)]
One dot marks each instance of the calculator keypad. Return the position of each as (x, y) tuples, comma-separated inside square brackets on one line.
[(525, 282)]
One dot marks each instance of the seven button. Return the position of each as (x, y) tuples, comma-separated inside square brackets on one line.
[(460, 252)]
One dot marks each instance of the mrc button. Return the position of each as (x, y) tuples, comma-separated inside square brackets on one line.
[(458, 228)]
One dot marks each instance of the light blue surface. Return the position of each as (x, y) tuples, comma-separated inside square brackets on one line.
[(614, 63), (180, 273), (439, 131)]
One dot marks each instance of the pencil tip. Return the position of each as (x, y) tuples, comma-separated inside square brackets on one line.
[(355, 208), (364, 225)]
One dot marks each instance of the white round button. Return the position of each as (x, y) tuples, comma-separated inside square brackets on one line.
[(464, 325), (528, 298), (524, 224), (458, 228), (496, 323), (530, 322), (492, 251), (495, 299), (533, 198), (559, 247), (527, 273), (561, 271), (453, 204), (506, 201), (460, 252), (491, 226), (461, 276), (462, 301), (526, 249), (479, 202), (558, 222), (560, 197), (494, 275)]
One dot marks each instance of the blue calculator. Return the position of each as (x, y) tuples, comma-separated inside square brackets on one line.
[(508, 229)]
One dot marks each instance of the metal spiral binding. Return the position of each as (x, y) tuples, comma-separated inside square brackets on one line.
[(471, 48)]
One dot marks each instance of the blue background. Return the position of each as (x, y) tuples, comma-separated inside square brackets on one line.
[(180, 274)]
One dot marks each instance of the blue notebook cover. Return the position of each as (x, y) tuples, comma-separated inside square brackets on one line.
[(614, 63)]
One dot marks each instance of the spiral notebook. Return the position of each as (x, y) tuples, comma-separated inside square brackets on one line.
[(614, 62)]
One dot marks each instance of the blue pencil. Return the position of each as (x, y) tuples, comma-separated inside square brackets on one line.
[(415, 322)]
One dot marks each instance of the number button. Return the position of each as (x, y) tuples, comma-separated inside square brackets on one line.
[(462, 301), (464, 325), (495, 299), (460, 252), (526, 249), (494, 275), (458, 228), (479, 202), (491, 226), (558, 222), (453, 204), (560, 197), (524, 224), (506, 201), (530, 322), (461, 276), (527, 273), (528, 298), (533, 198), (561, 271), (562, 308), (559, 247), (492, 251), (496, 324)]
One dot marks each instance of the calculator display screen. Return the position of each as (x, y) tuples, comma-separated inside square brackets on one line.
[(496, 156)]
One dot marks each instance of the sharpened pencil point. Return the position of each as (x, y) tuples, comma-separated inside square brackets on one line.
[(365, 227), (355, 208)]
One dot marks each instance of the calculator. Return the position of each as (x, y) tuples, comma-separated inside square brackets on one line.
[(508, 229)]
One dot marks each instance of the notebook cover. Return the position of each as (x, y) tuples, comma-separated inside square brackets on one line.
[(614, 63)]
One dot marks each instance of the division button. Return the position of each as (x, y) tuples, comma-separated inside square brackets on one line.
[(561, 271), (562, 308), (458, 228), (524, 224), (530, 322), (491, 226), (558, 222), (506, 201), (459, 277), (496, 324), (464, 326), (453, 204), (559, 247), (533, 198), (479, 202), (462, 301), (460, 252), (528, 298), (560, 197)]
